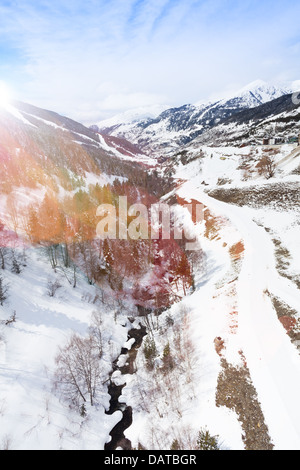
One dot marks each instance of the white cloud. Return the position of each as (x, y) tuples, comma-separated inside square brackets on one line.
[(119, 101), (92, 59), (295, 86)]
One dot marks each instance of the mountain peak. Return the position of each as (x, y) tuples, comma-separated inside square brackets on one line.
[(254, 85), (134, 115), (178, 126), (256, 93)]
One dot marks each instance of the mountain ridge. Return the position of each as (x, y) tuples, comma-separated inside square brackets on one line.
[(179, 126)]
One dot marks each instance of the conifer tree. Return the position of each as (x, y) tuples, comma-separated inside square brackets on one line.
[(3, 291)]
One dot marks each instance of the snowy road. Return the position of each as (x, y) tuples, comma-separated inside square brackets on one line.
[(272, 359)]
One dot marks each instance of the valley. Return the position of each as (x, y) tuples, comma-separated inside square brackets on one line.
[(140, 343)]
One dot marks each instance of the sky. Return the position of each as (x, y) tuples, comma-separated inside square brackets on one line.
[(92, 59)]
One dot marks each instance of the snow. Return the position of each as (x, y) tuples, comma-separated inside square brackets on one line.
[(165, 135), (256, 93), (273, 361), (133, 115), (32, 415), (202, 411), (230, 302), (45, 121), (102, 179), (223, 163), (272, 358), (196, 401), (14, 112), (135, 158)]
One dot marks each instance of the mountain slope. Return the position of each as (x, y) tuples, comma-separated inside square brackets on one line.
[(278, 118), (29, 120), (33, 415), (178, 126), (56, 279), (223, 357)]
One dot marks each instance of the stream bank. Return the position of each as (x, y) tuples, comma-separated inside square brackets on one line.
[(118, 439)]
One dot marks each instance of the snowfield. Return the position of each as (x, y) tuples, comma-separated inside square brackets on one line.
[(32, 415)]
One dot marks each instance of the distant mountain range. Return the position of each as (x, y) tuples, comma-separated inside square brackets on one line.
[(255, 112), (177, 127), (277, 119)]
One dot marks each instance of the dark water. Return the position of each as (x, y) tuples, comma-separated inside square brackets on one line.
[(118, 439)]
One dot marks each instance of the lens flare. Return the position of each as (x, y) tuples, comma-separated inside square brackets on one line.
[(5, 95)]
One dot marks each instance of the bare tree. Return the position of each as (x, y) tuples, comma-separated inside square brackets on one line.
[(2, 246), (52, 251), (6, 443), (52, 287), (267, 166), (96, 332), (3, 291), (2, 257), (12, 319), (78, 370), (13, 211), (16, 267)]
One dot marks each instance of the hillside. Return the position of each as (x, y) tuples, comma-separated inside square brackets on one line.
[(278, 119), (62, 288), (177, 127)]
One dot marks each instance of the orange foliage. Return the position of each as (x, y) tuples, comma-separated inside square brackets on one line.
[(237, 250), (288, 323)]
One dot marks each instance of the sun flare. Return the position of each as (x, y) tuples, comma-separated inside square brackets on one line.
[(5, 95)]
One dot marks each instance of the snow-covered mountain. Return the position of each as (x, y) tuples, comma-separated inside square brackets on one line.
[(133, 116), (175, 127), (55, 173), (255, 94), (37, 121), (179, 344), (123, 123), (276, 120)]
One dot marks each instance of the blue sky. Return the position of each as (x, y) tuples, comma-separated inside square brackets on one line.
[(95, 58)]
